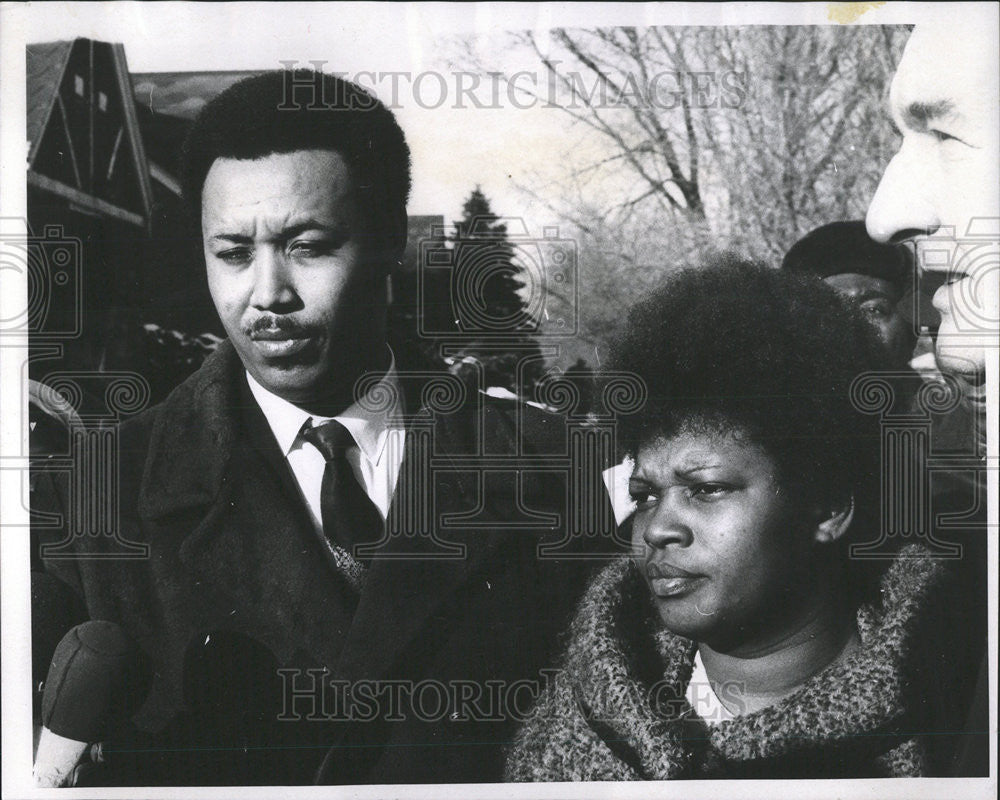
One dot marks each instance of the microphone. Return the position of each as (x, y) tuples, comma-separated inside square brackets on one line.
[(96, 680), (55, 609)]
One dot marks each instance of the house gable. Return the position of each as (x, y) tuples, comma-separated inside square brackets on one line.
[(85, 139)]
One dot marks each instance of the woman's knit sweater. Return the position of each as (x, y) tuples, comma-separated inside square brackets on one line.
[(616, 710)]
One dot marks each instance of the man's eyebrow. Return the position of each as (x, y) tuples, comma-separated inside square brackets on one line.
[(235, 238), (301, 227), (918, 115), (287, 233)]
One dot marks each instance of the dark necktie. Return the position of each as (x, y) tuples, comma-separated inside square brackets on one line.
[(350, 517)]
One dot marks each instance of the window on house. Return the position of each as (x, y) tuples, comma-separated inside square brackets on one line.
[(78, 84), (102, 101)]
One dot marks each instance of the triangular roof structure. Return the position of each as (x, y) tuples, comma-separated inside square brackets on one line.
[(46, 63), (84, 139)]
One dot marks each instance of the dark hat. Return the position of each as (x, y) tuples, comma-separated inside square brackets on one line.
[(841, 247)]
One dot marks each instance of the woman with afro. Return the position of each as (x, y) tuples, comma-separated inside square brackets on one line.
[(741, 638)]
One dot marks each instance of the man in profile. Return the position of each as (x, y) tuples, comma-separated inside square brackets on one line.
[(939, 192), (319, 603)]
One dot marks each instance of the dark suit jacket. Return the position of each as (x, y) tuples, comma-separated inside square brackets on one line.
[(232, 550)]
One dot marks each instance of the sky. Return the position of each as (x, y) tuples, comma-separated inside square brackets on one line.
[(455, 145)]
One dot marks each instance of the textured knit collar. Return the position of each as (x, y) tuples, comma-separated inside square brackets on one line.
[(865, 695)]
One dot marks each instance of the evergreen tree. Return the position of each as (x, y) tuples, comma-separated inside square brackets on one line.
[(485, 280)]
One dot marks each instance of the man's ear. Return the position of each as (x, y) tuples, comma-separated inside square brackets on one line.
[(834, 521)]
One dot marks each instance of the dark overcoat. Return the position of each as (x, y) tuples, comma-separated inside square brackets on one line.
[(441, 654)]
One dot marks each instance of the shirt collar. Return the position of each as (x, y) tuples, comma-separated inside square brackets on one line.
[(368, 423)]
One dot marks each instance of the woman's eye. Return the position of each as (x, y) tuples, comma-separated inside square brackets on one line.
[(641, 496), (709, 491)]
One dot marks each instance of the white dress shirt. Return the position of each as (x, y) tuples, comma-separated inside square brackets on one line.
[(376, 458)]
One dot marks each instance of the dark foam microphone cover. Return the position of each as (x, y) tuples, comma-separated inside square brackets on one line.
[(97, 678), (54, 610)]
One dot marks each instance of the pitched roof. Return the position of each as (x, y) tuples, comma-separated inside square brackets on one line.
[(45, 65)]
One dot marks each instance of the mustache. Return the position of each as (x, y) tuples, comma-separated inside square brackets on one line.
[(272, 323)]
